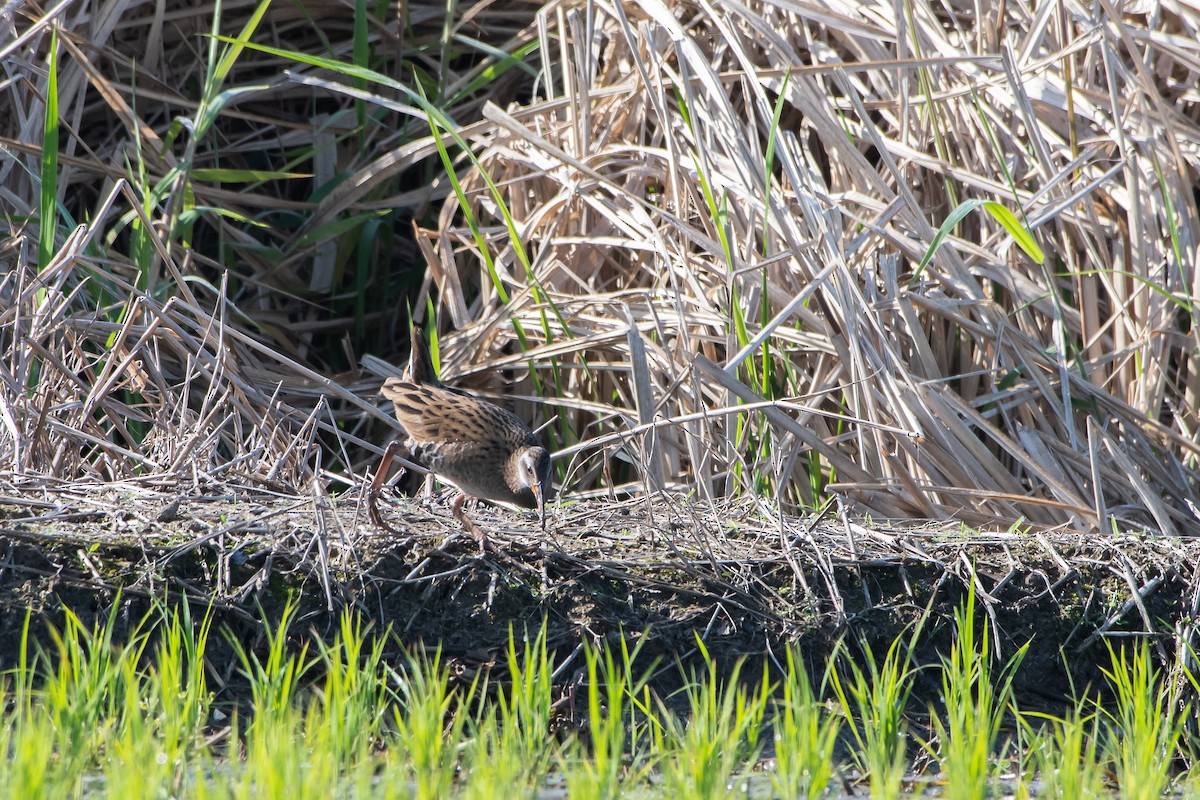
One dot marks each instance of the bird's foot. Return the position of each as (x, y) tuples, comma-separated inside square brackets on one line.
[(376, 486), (485, 543), (456, 508), (373, 513)]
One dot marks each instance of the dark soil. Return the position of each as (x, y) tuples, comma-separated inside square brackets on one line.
[(664, 574)]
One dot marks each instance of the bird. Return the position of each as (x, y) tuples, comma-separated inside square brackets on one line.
[(483, 450)]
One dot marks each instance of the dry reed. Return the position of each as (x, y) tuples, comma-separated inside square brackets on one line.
[(692, 239)]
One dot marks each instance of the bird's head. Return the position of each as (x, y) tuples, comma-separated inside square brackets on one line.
[(533, 475)]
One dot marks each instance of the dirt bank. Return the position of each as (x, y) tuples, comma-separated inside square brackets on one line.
[(662, 572)]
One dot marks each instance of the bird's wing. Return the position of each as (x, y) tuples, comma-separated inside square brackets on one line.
[(434, 414)]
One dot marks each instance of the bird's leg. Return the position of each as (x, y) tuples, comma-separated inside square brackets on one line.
[(468, 524), (385, 463), (427, 491)]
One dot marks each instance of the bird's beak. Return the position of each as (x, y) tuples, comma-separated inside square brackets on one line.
[(540, 496)]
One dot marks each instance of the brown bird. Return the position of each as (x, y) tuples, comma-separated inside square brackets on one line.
[(480, 448)]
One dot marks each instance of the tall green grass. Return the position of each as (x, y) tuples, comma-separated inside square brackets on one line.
[(805, 736), (975, 698), (1064, 757), (426, 745), (117, 710), (613, 751), (1142, 739), (720, 737), (875, 695)]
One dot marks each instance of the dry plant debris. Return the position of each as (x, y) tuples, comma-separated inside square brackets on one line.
[(668, 571)]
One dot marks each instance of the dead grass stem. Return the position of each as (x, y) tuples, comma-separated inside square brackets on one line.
[(691, 210)]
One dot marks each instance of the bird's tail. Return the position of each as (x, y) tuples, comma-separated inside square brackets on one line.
[(420, 362)]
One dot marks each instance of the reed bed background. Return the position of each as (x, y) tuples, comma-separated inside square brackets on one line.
[(771, 255), (689, 236)]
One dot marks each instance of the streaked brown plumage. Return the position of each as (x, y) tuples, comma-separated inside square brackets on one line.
[(484, 450)]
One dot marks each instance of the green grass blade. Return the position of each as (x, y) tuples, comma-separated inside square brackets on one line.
[(1001, 214), (48, 201)]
